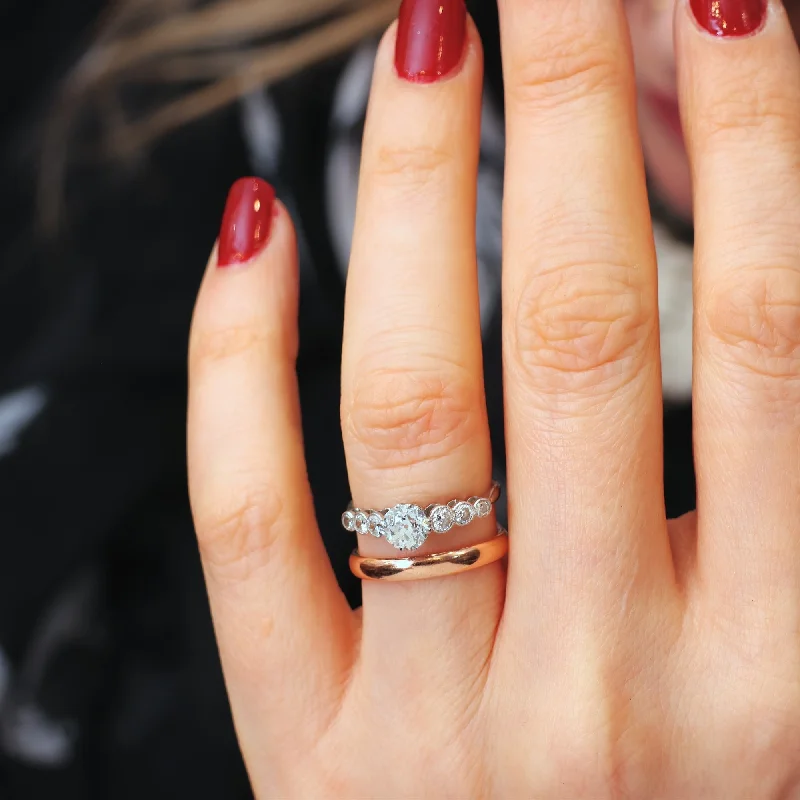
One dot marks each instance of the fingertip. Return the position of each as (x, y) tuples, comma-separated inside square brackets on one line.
[(255, 297), (256, 228), (396, 59), (246, 222)]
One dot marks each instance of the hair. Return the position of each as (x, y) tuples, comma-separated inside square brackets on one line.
[(197, 57)]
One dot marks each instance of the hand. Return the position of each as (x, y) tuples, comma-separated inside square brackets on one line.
[(620, 655)]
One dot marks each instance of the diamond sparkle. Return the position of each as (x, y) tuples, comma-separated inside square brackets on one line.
[(483, 506), (349, 521), (407, 528), (441, 519), (361, 523), (464, 513), (377, 527)]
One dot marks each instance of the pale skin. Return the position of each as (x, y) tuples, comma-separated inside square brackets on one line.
[(616, 654)]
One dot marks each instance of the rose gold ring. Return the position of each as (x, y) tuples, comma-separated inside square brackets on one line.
[(454, 562)]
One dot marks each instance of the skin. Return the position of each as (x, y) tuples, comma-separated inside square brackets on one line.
[(616, 654), (652, 36)]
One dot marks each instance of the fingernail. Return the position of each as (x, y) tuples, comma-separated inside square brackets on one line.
[(730, 17), (430, 39), (247, 221)]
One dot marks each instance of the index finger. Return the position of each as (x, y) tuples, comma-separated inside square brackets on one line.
[(284, 629)]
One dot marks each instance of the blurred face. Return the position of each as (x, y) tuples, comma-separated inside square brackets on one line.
[(659, 116)]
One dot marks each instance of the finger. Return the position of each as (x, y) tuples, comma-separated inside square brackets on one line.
[(741, 102), (284, 629), (413, 408), (582, 369)]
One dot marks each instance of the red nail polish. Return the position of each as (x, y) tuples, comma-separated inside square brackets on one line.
[(247, 221), (430, 39), (730, 17)]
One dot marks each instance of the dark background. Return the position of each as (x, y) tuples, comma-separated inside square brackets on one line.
[(103, 616)]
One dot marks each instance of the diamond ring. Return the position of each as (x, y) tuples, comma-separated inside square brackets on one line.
[(407, 526)]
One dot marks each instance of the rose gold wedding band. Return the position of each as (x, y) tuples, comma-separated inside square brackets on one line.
[(436, 565)]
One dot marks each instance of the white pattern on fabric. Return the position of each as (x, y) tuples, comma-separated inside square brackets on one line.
[(17, 411)]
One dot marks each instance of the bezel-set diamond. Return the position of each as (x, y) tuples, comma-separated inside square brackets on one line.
[(482, 506), (441, 518), (377, 525), (361, 522), (407, 526), (349, 521), (463, 513)]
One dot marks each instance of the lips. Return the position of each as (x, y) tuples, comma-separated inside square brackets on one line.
[(668, 111)]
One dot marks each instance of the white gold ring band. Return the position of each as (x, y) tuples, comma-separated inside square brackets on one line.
[(407, 526)]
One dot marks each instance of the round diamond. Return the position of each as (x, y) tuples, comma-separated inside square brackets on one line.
[(377, 527), (406, 527), (361, 523), (463, 513), (441, 519), (349, 521), (483, 507)]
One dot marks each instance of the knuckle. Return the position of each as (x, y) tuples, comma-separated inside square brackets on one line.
[(571, 69), (400, 417), (739, 111), (753, 320), (217, 345), (236, 539), (581, 327), (413, 168)]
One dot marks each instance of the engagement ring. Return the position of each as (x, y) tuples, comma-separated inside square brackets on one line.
[(407, 526)]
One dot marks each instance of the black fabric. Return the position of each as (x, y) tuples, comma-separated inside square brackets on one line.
[(103, 614)]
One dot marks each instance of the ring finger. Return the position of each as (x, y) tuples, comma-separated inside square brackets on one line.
[(413, 408)]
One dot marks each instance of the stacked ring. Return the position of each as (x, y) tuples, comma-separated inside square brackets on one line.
[(407, 526), (432, 566)]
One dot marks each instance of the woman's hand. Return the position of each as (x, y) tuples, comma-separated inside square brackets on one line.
[(619, 656)]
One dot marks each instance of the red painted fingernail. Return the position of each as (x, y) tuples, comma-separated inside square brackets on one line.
[(430, 39), (730, 17), (247, 221)]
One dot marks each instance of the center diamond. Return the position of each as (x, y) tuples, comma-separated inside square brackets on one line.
[(406, 527)]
